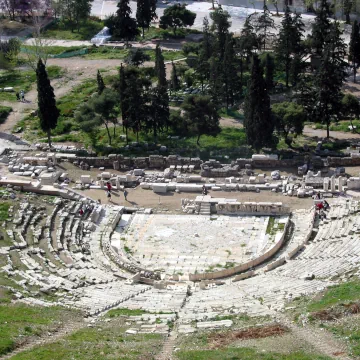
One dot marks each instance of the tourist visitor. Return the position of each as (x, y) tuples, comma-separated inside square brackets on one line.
[(125, 194)]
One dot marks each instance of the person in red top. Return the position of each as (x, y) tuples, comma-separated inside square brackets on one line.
[(319, 206), (108, 185), (81, 212)]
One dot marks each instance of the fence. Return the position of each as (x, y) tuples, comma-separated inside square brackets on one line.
[(63, 55)]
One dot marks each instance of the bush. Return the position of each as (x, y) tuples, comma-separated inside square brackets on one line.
[(4, 113)]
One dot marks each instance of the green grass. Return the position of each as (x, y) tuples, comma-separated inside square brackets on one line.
[(105, 343), (348, 331), (334, 295), (157, 33), (125, 312), (61, 30), (21, 320), (243, 354), (55, 50), (22, 80), (106, 52), (231, 113), (270, 225), (4, 210), (339, 126), (227, 142)]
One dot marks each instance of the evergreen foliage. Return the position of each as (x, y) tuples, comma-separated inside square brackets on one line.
[(258, 123), (98, 111), (145, 13), (354, 48), (329, 79), (136, 57), (269, 72), (321, 28), (263, 24), (174, 82), (47, 111), (124, 26), (100, 83), (290, 118), (160, 66), (201, 115), (220, 28), (177, 16), (289, 42)]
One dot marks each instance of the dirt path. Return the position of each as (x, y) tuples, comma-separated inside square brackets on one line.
[(337, 135), (322, 340), (172, 201)]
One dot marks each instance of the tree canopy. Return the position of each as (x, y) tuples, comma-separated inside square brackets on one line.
[(177, 16)]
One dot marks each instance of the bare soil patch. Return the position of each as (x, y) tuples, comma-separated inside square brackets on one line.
[(218, 340)]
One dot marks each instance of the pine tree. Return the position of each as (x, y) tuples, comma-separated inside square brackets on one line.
[(264, 23), (330, 78), (321, 27), (347, 6), (125, 26), (160, 66), (175, 84), (48, 112), (203, 65), (269, 72), (145, 13), (201, 115), (259, 124), (289, 42), (354, 48), (248, 41), (100, 83), (220, 27)]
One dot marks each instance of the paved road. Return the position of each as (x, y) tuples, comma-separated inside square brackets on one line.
[(103, 8)]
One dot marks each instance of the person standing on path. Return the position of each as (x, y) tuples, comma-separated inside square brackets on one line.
[(17, 96), (108, 194), (125, 195)]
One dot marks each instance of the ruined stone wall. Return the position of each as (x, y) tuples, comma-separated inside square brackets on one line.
[(152, 162)]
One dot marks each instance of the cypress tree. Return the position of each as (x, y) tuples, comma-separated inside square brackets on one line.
[(48, 112), (354, 48), (229, 73), (259, 124), (159, 110), (100, 83), (175, 84), (160, 66), (123, 101), (269, 72)]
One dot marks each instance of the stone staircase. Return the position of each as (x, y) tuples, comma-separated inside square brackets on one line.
[(205, 208)]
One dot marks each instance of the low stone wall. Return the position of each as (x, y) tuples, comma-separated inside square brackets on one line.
[(152, 162), (243, 267), (252, 208)]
